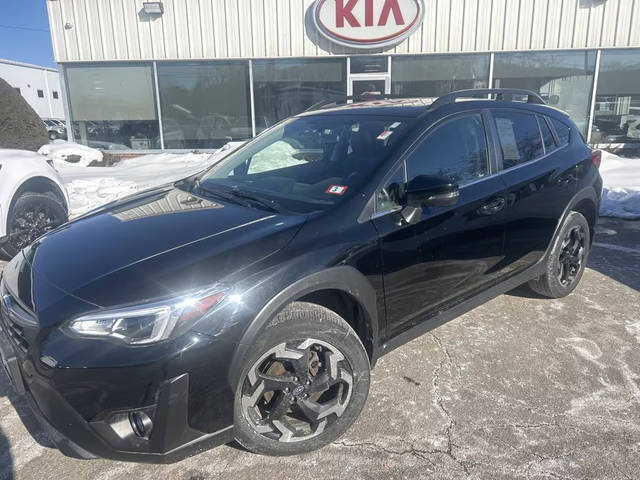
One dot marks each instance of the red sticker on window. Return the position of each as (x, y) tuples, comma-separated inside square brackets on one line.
[(336, 189), (384, 135)]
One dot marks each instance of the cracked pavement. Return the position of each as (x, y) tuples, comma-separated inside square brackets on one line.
[(521, 387)]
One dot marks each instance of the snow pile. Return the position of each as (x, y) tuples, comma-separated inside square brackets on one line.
[(63, 153), (621, 192), (90, 187)]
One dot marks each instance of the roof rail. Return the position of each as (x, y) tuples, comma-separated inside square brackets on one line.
[(506, 94)]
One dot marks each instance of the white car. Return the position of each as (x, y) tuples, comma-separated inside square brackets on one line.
[(33, 199)]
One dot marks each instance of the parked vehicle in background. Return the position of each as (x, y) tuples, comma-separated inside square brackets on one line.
[(55, 130), (250, 301), (33, 199), (62, 123)]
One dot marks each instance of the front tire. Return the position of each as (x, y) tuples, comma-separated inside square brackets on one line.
[(567, 260), (304, 383), (31, 216)]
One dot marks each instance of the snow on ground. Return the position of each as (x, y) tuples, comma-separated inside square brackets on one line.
[(90, 187), (621, 192), (62, 153)]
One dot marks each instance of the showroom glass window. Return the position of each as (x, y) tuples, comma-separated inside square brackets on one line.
[(204, 104), (113, 106), (616, 116), (282, 88), (563, 79), (435, 75)]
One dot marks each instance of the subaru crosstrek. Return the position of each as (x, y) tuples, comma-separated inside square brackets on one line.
[(250, 301)]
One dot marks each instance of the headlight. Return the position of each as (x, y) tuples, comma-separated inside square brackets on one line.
[(146, 323)]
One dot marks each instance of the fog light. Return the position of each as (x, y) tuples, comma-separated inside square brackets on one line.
[(141, 424)]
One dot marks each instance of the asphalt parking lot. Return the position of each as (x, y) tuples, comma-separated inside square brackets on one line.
[(521, 387)]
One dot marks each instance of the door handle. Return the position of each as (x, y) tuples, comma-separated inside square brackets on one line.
[(492, 206)]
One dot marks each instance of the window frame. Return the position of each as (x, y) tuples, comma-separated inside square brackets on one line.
[(40, 93), (543, 118), (492, 166)]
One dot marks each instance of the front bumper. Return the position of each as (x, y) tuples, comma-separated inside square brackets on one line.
[(171, 439), (111, 435)]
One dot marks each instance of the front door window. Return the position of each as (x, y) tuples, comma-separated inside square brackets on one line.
[(457, 151)]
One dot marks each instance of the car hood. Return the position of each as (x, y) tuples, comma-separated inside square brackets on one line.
[(154, 245)]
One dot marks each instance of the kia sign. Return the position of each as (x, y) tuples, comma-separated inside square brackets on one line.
[(367, 23)]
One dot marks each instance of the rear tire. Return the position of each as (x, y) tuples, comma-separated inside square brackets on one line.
[(304, 383), (567, 259)]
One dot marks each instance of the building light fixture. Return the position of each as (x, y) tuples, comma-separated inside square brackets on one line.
[(153, 8)]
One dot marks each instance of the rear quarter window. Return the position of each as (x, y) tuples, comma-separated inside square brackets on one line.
[(562, 131)]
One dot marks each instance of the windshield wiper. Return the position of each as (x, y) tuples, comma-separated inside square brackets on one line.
[(271, 205), (234, 195), (217, 193)]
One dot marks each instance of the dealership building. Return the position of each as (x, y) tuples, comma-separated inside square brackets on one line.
[(194, 74)]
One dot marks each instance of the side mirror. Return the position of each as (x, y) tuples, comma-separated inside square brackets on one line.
[(431, 191)]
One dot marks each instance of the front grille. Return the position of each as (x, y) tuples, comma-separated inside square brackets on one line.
[(14, 319)]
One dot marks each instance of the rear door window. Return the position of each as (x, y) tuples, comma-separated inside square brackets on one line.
[(519, 137), (562, 131), (547, 136)]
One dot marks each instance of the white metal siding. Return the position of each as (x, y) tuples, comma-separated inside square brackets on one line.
[(195, 29)]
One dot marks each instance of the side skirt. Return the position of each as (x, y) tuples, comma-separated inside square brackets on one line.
[(462, 308)]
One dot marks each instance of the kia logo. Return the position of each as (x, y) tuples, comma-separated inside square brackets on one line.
[(368, 23)]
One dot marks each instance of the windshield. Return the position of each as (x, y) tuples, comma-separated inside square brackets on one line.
[(308, 163)]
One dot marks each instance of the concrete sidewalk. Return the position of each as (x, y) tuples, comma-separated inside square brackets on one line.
[(521, 387)]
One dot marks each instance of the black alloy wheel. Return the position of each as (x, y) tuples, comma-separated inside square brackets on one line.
[(572, 255), (565, 263), (296, 390), (32, 215), (303, 384)]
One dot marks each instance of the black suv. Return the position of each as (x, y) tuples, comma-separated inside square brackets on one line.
[(250, 301)]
